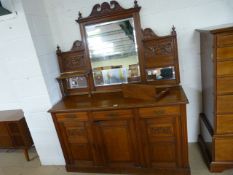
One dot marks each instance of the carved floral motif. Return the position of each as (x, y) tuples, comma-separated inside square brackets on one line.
[(159, 49), (73, 62), (161, 131), (76, 132)]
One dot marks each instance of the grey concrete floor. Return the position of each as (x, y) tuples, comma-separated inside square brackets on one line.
[(12, 162)]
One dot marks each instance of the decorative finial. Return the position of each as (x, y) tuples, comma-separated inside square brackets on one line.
[(173, 30), (80, 15), (58, 49), (136, 4)]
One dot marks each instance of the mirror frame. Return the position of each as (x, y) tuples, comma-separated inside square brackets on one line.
[(107, 12)]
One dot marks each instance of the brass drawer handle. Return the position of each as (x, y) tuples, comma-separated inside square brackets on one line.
[(160, 112)]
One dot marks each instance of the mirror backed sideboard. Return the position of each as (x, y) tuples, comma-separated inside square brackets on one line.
[(100, 128)]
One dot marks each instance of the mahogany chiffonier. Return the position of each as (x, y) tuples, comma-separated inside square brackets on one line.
[(14, 132), (106, 126), (216, 138)]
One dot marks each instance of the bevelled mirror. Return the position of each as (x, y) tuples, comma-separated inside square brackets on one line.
[(111, 35), (113, 52)]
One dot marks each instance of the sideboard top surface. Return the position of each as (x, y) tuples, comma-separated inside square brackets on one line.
[(11, 115), (105, 101)]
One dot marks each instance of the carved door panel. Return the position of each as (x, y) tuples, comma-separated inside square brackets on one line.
[(72, 61), (5, 139), (159, 53), (161, 144), (117, 142), (76, 138)]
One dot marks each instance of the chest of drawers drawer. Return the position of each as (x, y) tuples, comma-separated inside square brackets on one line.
[(225, 39), (224, 104), (224, 53), (225, 85), (225, 124), (225, 68)]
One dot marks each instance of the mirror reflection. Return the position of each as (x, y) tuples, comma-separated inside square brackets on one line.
[(164, 73), (113, 52), (76, 82)]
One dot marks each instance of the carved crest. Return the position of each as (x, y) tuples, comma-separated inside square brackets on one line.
[(77, 45), (105, 8), (148, 33), (155, 45)]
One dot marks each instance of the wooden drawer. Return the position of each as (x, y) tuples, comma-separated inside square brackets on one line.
[(225, 39), (224, 149), (79, 116), (158, 111), (113, 114), (225, 68), (225, 104), (225, 124), (224, 53), (225, 85)]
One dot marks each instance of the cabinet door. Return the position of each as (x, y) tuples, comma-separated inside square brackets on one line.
[(117, 139), (5, 139), (75, 136), (15, 134), (161, 145)]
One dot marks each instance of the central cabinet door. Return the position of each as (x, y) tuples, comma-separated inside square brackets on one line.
[(116, 139)]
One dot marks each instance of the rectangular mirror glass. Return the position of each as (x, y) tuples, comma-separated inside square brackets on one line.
[(113, 52), (165, 73), (76, 82)]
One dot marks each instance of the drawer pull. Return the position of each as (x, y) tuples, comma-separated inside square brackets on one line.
[(98, 122), (111, 115), (161, 112)]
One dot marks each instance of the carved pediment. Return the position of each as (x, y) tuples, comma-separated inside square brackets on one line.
[(148, 33), (77, 45), (107, 8), (104, 8)]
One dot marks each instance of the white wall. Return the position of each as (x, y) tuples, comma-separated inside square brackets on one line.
[(39, 26), (23, 84), (160, 15)]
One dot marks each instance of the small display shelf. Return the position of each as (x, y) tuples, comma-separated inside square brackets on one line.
[(74, 82)]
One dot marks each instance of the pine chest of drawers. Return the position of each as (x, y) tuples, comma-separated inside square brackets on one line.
[(216, 136)]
